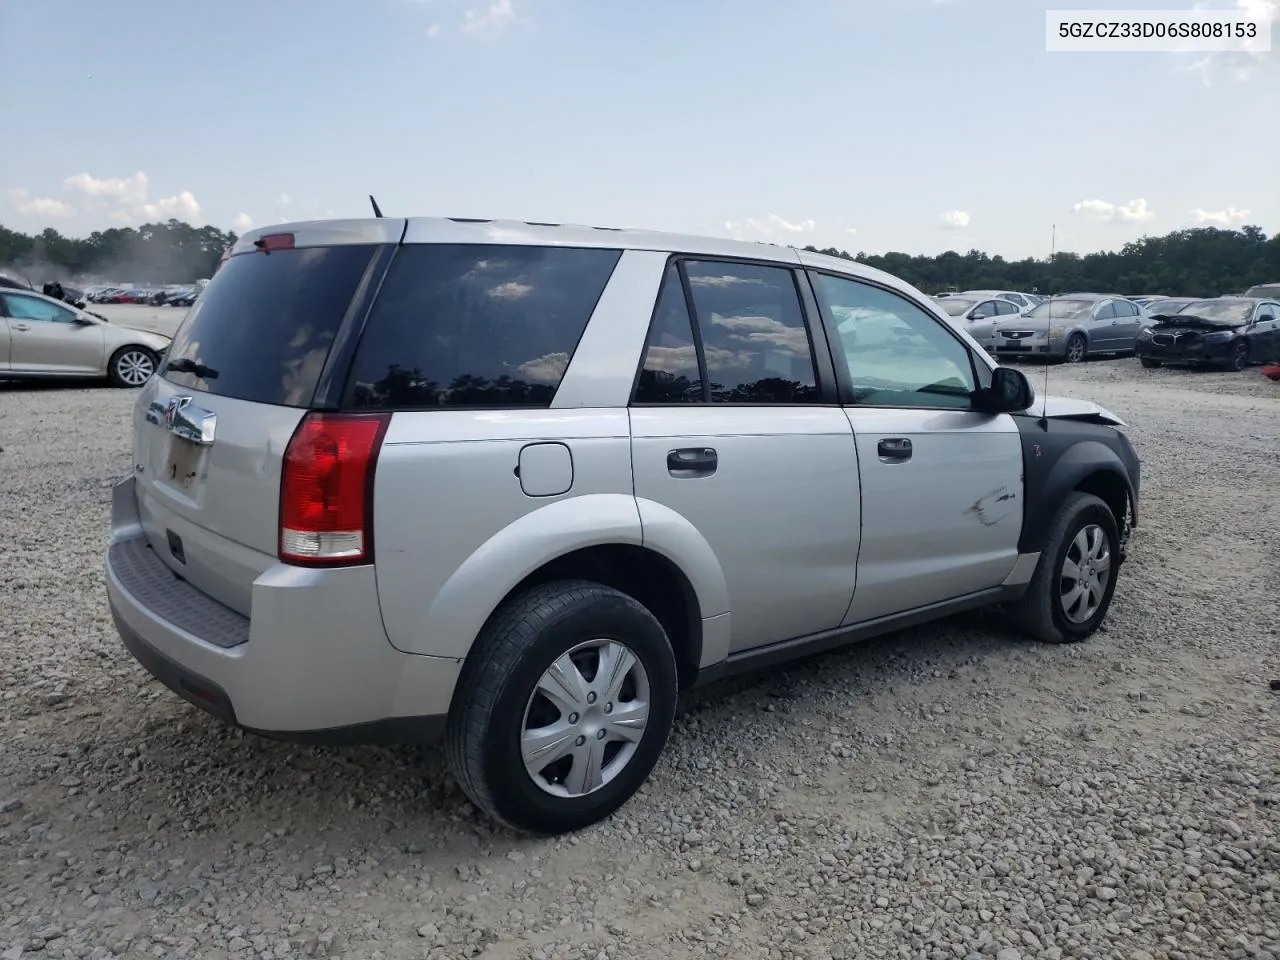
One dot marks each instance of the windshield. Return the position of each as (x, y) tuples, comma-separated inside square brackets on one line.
[(956, 306), (1166, 307), (1230, 312), (1061, 309)]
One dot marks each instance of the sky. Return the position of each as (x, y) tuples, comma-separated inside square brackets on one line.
[(910, 125)]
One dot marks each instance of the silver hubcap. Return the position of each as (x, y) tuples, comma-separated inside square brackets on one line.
[(585, 718), (135, 367), (1242, 357), (1075, 350), (1085, 571)]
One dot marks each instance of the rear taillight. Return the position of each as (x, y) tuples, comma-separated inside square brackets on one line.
[(326, 489), (274, 241)]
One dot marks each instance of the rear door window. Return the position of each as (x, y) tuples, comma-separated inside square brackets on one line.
[(476, 325), (262, 328), (753, 333)]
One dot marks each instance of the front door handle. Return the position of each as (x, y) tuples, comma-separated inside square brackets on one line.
[(894, 449), (692, 462), (21, 326)]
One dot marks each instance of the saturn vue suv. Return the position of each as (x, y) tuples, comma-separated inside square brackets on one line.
[(518, 485)]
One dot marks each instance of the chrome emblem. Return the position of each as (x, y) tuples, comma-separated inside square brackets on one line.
[(183, 419), (171, 409)]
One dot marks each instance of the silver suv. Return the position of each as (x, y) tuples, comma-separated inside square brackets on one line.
[(517, 485)]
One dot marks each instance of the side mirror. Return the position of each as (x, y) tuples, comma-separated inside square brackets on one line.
[(83, 321), (1010, 392), (977, 316)]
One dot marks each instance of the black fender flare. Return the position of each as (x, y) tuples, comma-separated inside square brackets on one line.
[(1080, 464)]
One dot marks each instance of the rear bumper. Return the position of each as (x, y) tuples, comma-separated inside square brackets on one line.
[(311, 664)]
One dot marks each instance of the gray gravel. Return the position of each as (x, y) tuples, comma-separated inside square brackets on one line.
[(948, 793)]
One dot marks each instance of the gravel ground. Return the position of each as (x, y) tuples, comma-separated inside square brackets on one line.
[(950, 792)]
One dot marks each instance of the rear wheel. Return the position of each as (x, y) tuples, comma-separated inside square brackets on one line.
[(1149, 363), (131, 366), (1077, 348), (1239, 357), (1075, 580), (563, 708)]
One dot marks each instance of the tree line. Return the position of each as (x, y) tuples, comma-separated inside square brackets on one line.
[(172, 252), (1200, 262)]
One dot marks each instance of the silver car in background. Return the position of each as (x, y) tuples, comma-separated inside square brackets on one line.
[(1073, 327), (978, 316), (43, 337), (1024, 301)]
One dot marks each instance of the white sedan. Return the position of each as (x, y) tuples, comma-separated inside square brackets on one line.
[(979, 315)]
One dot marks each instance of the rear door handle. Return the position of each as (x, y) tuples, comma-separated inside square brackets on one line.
[(894, 449), (692, 462)]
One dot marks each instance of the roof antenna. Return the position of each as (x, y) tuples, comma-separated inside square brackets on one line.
[(1048, 359), (376, 212)]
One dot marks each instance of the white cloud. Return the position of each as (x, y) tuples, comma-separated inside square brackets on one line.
[(753, 228), (492, 19), (850, 230), (1135, 211), (128, 196), (30, 206), (1229, 217), (132, 189), (954, 219), (1239, 65), (433, 31), (243, 223), (284, 200)]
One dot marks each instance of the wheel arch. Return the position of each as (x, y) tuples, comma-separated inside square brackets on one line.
[(1084, 465), (638, 547)]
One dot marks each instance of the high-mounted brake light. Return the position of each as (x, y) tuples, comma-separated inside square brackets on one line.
[(326, 489), (274, 241)]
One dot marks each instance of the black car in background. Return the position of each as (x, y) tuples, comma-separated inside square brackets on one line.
[(1230, 332)]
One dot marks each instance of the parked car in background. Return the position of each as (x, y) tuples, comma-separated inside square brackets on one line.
[(1146, 301), (979, 316), (519, 485), (1073, 327), (1266, 291), (184, 297), (44, 337), (1230, 332), (1024, 301)]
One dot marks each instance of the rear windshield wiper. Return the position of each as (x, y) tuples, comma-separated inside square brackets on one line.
[(187, 365)]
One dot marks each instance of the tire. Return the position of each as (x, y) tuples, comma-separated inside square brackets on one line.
[(1239, 361), (1077, 350), (1149, 364), (498, 700), (131, 367), (1041, 614)]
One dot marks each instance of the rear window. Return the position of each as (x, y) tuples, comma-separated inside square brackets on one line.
[(262, 328), (476, 325)]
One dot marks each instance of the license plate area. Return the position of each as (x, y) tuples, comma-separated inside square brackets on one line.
[(1020, 347), (184, 466)]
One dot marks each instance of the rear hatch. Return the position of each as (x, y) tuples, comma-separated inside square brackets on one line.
[(211, 429)]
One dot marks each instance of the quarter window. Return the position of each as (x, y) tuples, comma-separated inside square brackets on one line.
[(477, 325), (897, 355)]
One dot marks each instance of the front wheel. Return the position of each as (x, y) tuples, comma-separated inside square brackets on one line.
[(131, 366), (1239, 361), (1077, 348), (1075, 580), (1149, 364), (563, 707)]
